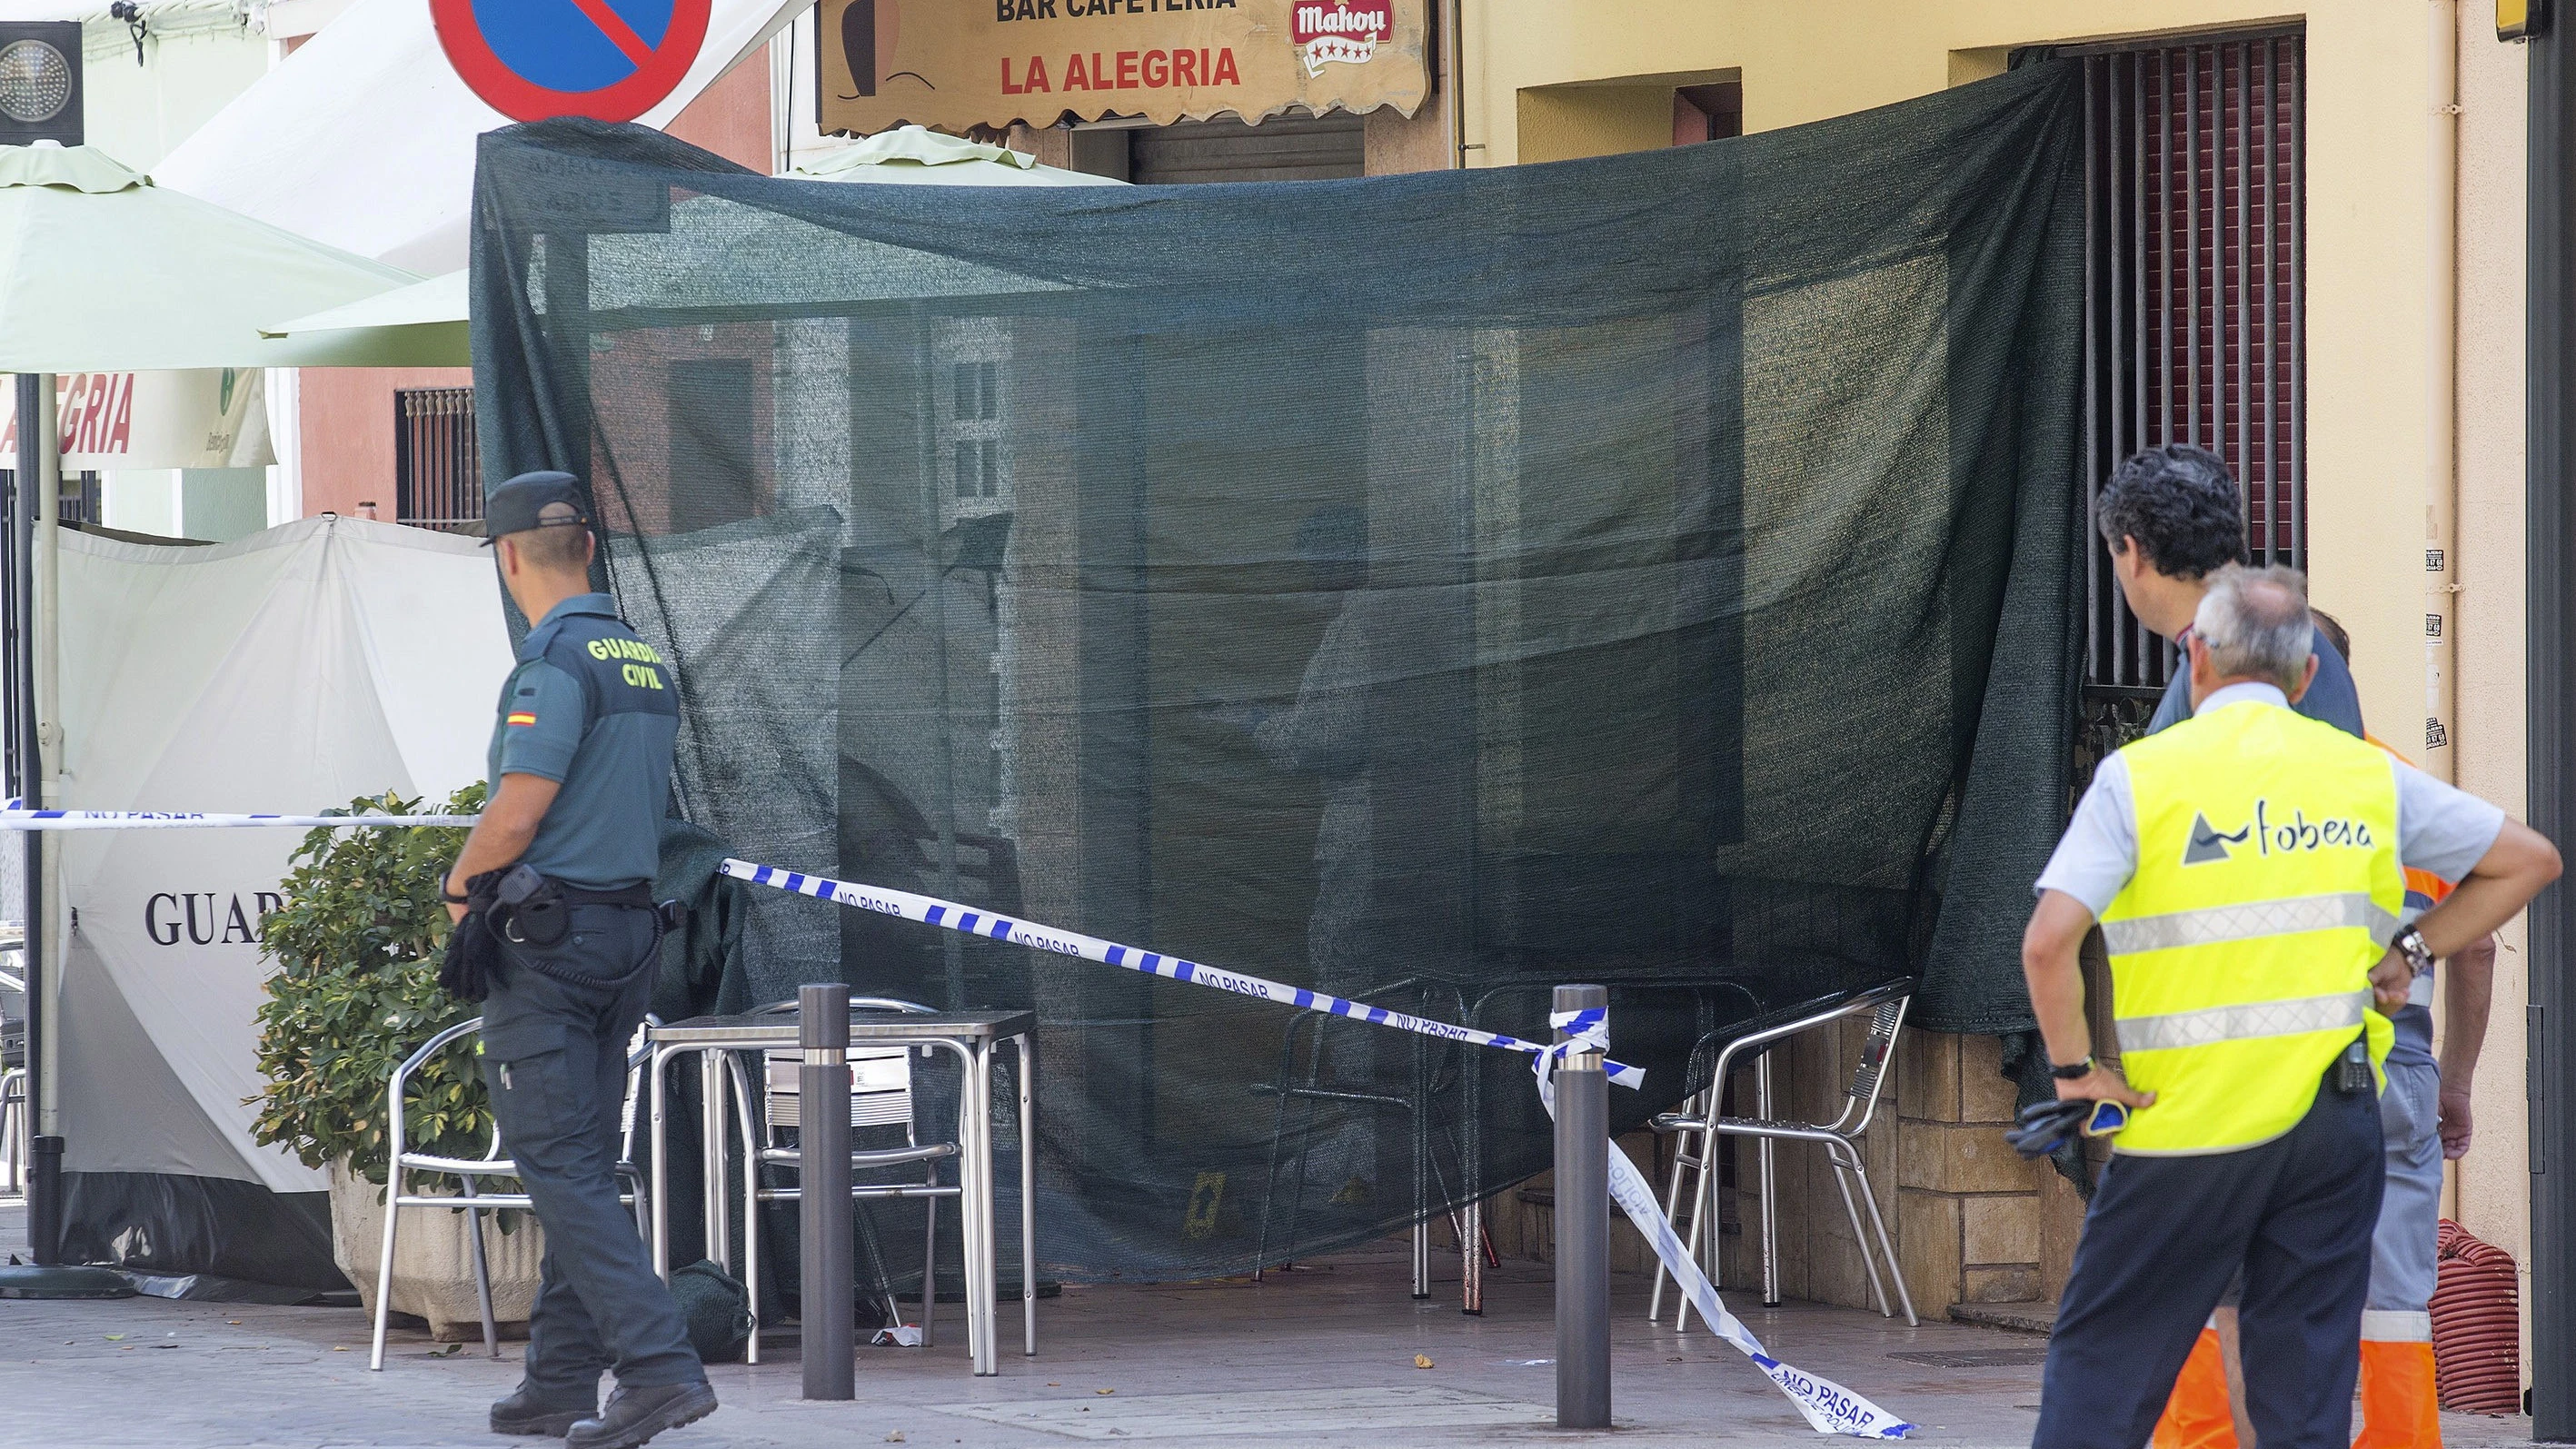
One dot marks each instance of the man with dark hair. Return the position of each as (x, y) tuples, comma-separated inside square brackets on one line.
[(556, 935), (2336, 634), (2172, 517), (2246, 868)]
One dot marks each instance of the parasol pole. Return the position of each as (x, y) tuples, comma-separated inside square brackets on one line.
[(36, 428)]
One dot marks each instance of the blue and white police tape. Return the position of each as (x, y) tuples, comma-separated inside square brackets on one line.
[(1830, 1407), (1587, 1030), (932, 911), (14, 816)]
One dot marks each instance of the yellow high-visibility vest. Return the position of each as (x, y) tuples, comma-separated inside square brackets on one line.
[(2267, 887)]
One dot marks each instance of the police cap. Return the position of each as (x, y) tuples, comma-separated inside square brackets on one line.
[(529, 501)]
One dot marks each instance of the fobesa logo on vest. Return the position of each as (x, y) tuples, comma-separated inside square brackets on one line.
[(2268, 836)]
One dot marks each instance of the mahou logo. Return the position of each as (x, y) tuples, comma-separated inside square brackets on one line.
[(1347, 31)]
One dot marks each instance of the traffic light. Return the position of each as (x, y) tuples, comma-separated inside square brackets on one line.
[(40, 82)]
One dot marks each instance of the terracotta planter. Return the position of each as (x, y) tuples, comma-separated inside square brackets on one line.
[(433, 1267)]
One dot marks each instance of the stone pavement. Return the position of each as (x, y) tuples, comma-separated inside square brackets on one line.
[(1323, 1356)]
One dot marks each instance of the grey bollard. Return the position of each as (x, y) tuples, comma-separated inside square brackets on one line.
[(823, 1175), (1582, 1228)]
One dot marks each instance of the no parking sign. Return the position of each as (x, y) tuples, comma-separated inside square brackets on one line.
[(611, 60)]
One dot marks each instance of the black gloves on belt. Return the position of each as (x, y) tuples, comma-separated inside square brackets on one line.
[(473, 960)]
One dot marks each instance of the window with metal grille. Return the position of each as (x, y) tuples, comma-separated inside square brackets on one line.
[(438, 472), (81, 500), (2194, 319)]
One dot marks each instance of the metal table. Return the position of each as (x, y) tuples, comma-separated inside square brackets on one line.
[(974, 1037)]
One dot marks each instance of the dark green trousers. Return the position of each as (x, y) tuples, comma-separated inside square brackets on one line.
[(554, 1054)]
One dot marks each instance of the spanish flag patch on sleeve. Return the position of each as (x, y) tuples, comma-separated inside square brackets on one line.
[(521, 719)]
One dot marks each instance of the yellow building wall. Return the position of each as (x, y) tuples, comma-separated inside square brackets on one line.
[(1558, 123), (1548, 79), (2491, 1189)]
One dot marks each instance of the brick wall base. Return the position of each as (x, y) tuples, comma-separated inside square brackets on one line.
[(1973, 1222)]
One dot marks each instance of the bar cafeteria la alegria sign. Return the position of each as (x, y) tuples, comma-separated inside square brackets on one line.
[(952, 64), (212, 417)]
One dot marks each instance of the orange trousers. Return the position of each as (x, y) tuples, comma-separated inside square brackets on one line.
[(2399, 1409)]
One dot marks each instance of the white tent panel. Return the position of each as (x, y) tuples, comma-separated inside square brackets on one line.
[(364, 137), (289, 671)]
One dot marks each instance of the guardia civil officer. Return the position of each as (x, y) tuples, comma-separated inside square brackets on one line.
[(2247, 868), (557, 933)]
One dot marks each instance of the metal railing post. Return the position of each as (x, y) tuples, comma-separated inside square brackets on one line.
[(1582, 1227), (2549, 641), (823, 1168)]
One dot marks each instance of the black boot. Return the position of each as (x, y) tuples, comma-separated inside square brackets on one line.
[(634, 1415), (526, 1413)]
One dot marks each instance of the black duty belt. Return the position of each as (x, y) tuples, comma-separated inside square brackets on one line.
[(639, 896), (520, 908), (535, 910)]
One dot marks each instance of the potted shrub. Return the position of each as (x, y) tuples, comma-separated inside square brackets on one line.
[(356, 991)]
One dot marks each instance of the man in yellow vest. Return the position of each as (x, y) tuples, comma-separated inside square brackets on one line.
[(2246, 867), (2425, 1112)]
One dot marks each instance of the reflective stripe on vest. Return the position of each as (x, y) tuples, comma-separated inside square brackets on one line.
[(2214, 924), (2267, 887), (2239, 1023)]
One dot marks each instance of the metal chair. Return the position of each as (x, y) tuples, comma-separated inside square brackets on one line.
[(1885, 1005), (881, 1098), (14, 1127), (13, 1131), (469, 1170), (1432, 1073)]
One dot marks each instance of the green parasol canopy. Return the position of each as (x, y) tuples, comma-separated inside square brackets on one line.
[(101, 271), (915, 156)]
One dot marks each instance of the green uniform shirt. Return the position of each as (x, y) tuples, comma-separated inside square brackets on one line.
[(597, 710)]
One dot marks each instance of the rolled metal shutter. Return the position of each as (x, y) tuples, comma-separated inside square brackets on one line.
[(1283, 148)]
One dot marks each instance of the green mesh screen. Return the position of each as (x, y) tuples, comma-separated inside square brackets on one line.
[(1650, 570)]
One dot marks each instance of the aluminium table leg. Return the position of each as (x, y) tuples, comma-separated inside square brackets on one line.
[(987, 1258), (1770, 1203), (1420, 1141), (1028, 1195), (711, 1124), (660, 1209), (1471, 1238), (740, 1084)]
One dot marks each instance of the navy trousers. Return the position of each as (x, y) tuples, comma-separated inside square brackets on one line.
[(2164, 1237), (554, 1055)]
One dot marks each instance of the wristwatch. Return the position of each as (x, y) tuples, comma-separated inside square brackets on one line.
[(2410, 944), (2073, 1071)]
